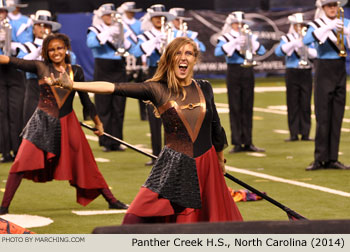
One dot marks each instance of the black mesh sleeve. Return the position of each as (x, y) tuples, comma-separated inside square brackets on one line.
[(25, 65)]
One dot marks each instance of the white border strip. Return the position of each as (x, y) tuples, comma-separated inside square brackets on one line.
[(287, 181), (96, 212)]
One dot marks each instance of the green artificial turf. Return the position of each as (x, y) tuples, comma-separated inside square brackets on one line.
[(126, 172)]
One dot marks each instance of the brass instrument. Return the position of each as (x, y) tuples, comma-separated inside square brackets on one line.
[(340, 34), (304, 61), (247, 48), (6, 31), (118, 40), (183, 28), (168, 31)]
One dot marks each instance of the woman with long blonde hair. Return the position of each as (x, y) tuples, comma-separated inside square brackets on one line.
[(186, 183)]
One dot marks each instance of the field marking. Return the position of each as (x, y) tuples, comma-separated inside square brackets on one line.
[(255, 154), (102, 160), (280, 131), (288, 181), (27, 221), (256, 89), (98, 212)]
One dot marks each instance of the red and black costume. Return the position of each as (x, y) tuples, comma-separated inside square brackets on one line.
[(186, 183), (54, 146)]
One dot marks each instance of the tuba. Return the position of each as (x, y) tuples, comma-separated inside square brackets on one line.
[(6, 36), (118, 40), (340, 34), (168, 31), (247, 48)]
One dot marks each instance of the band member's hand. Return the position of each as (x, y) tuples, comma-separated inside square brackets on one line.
[(241, 40), (336, 24), (100, 130)]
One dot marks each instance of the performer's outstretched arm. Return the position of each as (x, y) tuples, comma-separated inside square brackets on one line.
[(100, 87)]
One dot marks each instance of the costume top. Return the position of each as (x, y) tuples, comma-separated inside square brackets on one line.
[(192, 125), (325, 39), (148, 44), (43, 129), (227, 45), (289, 48), (22, 27), (101, 41)]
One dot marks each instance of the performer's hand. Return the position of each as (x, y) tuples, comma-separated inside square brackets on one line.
[(114, 30), (336, 24), (298, 43), (63, 81), (241, 40), (222, 165), (100, 130)]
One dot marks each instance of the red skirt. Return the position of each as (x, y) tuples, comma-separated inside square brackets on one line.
[(217, 202), (76, 162)]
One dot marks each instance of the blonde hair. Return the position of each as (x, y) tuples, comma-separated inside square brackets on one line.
[(168, 61)]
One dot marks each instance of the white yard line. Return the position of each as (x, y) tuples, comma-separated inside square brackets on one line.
[(98, 212), (288, 181)]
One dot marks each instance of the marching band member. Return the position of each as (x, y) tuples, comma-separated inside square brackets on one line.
[(103, 38), (21, 24), (11, 93), (239, 80), (181, 29), (298, 77), (330, 81), (151, 43), (133, 64)]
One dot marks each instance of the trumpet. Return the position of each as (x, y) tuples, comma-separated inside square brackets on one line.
[(6, 36), (168, 31), (340, 34), (118, 40)]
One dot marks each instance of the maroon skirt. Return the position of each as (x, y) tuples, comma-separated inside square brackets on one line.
[(76, 162), (217, 202)]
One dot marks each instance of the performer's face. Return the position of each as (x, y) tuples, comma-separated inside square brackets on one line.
[(235, 26), (57, 51), (130, 14), (176, 23), (156, 21), (185, 60), (3, 14), (107, 19), (41, 30), (331, 10)]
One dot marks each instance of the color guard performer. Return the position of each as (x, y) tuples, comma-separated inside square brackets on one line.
[(298, 77), (239, 45), (329, 31), (43, 25)]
